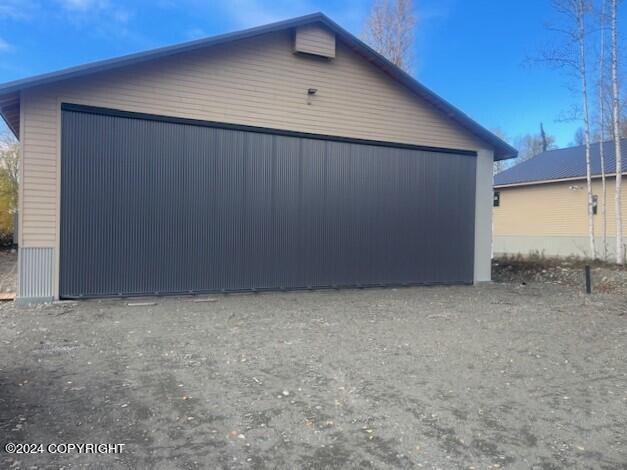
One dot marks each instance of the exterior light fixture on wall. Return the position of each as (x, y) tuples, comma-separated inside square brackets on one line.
[(575, 188), (311, 92), (595, 204)]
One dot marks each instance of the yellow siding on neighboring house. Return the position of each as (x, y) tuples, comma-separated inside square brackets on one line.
[(314, 39), (554, 209), (258, 82)]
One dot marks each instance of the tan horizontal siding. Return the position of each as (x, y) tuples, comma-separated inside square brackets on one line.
[(39, 171), (257, 82), (554, 209), (315, 39)]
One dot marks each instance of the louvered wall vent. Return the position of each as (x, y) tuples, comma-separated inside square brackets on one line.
[(315, 40)]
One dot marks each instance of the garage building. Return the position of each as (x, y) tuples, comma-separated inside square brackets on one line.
[(286, 156)]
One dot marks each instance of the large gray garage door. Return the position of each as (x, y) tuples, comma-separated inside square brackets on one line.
[(150, 205)]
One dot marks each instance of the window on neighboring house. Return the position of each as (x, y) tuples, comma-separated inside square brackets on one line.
[(497, 198), (595, 203)]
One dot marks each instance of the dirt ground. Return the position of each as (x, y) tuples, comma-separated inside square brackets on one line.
[(497, 376), (606, 277)]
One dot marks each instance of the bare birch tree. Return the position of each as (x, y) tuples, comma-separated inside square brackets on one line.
[(580, 10), (602, 27), (571, 55), (390, 31), (620, 254)]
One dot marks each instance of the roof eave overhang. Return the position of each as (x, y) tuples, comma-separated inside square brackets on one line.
[(556, 180)]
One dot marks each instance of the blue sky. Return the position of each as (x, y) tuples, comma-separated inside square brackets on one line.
[(472, 53)]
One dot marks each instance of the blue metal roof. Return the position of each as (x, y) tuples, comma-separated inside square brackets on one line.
[(562, 164), (502, 150)]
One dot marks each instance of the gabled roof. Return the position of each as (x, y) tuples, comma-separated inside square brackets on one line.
[(502, 150), (567, 163)]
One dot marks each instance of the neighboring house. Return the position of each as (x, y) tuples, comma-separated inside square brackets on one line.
[(281, 157), (541, 205)]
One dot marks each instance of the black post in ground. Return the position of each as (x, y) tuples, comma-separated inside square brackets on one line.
[(588, 280)]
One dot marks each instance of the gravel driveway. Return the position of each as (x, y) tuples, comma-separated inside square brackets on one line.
[(497, 376)]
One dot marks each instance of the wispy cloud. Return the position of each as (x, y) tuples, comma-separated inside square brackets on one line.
[(94, 11), (5, 46), (81, 5), (18, 9), (108, 18)]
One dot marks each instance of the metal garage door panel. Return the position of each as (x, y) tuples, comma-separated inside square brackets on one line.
[(149, 206)]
